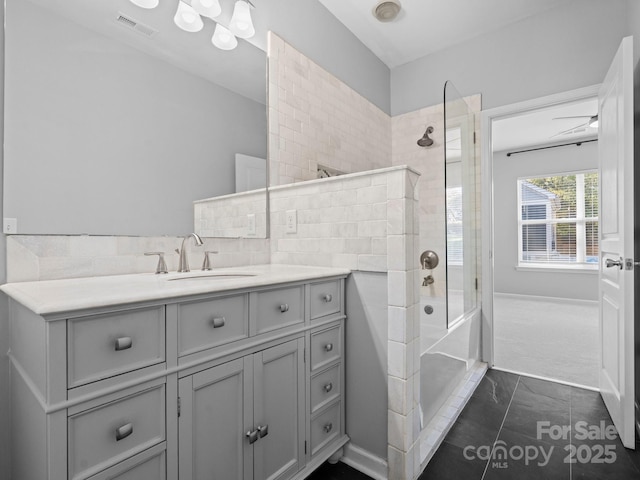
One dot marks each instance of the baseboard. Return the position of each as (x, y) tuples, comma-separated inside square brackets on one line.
[(365, 462)]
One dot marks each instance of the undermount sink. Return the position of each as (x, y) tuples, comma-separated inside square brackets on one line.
[(211, 276)]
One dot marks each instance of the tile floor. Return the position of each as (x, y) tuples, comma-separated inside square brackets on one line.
[(508, 431)]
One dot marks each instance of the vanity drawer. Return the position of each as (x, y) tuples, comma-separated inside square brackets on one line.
[(110, 433), (325, 427), (325, 298), (326, 346), (101, 346), (148, 465), (278, 308), (210, 323), (325, 387)]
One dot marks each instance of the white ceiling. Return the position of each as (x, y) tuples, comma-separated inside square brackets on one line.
[(427, 26)]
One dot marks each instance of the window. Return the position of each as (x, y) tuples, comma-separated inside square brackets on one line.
[(454, 226), (558, 220)]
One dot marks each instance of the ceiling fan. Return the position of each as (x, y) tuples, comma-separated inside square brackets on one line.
[(591, 122)]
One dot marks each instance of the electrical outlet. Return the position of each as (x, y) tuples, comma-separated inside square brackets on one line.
[(291, 221), (251, 224), (10, 225)]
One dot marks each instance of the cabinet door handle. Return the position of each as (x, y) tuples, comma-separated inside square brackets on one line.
[(328, 347), (263, 431), (252, 436), (218, 322), (123, 343), (328, 298), (124, 431), (284, 307), (328, 387), (328, 427)]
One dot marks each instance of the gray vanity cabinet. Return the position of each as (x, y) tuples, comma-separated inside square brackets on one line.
[(244, 419), (237, 384)]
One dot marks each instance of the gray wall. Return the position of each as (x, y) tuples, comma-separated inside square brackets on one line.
[(559, 50), (506, 172), (366, 361), (102, 139)]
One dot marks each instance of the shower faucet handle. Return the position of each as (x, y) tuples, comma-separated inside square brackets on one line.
[(429, 260)]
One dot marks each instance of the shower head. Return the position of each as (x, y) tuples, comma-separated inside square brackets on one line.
[(425, 141)]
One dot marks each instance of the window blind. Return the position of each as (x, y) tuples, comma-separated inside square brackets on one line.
[(558, 220)]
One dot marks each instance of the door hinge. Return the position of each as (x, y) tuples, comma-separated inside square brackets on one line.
[(476, 283), (474, 137), (179, 406), (305, 447), (304, 355)]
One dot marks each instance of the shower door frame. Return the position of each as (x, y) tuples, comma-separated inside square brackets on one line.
[(486, 163)]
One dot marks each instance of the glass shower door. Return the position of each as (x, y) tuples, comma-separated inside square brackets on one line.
[(460, 185)]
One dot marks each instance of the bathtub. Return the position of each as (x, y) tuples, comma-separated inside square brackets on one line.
[(447, 355)]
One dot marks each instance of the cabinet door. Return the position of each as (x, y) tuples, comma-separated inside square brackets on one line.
[(279, 407), (216, 409)]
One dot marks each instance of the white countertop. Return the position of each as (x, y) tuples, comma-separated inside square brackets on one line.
[(57, 296)]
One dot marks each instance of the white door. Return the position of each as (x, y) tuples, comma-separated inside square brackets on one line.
[(615, 140)]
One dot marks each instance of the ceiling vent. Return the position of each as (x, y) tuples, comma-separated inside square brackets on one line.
[(141, 28), (387, 10)]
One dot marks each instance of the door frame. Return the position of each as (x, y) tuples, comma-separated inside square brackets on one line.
[(486, 161)]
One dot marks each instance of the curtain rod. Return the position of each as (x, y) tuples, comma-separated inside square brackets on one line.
[(552, 146)]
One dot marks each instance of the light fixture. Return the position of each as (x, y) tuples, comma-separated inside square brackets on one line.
[(593, 121), (187, 18), (207, 8), (241, 24), (146, 3), (223, 38)]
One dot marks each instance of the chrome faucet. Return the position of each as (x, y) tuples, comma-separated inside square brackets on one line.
[(183, 264)]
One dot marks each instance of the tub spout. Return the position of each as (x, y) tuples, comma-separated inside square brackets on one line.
[(428, 280)]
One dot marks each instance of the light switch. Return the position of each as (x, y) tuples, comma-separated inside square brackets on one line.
[(291, 221)]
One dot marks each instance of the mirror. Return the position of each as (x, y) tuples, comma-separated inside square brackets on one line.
[(116, 120), (460, 183)]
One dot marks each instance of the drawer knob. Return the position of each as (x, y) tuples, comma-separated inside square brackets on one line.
[(284, 307), (328, 298), (218, 322), (252, 436), (123, 343), (328, 387), (124, 431), (328, 427), (328, 347), (263, 431)]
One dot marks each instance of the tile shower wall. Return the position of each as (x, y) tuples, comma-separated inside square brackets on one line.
[(315, 119), (51, 257), (429, 161), (367, 222)]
